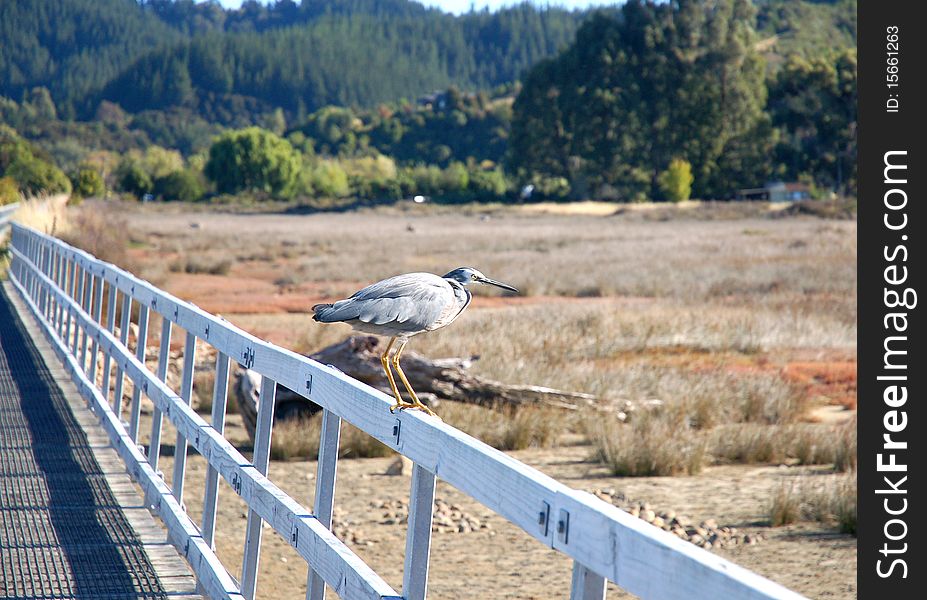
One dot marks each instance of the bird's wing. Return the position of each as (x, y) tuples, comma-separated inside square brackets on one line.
[(414, 300)]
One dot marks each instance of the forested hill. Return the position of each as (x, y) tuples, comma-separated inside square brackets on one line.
[(229, 64)]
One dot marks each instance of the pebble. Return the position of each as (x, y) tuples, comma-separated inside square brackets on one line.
[(708, 534)]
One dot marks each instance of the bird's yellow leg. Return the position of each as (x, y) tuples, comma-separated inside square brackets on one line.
[(416, 403), (384, 359)]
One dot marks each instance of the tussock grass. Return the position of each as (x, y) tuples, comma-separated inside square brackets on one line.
[(209, 265), (785, 505), (299, 439), (845, 452), (513, 429), (652, 445), (833, 500), (296, 439)]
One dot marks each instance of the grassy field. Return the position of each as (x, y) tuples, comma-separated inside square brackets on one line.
[(734, 324)]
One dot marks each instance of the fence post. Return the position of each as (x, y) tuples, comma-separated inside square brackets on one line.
[(325, 490), (219, 400), (124, 340), (78, 300), (111, 327), (586, 585), (60, 283), (164, 356), (70, 283), (98, 317), (140, 345), (262, 438), (418, 537), (86, 305), (186, 391)]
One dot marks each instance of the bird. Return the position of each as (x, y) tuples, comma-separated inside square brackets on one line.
[(404, 306)]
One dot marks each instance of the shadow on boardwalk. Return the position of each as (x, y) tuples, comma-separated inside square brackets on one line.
[(62, 534)]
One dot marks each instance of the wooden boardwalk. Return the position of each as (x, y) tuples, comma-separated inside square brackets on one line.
[(72, 524)]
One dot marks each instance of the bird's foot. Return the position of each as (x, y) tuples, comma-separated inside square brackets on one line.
[(401, 405), (413, 406), (419, 405)]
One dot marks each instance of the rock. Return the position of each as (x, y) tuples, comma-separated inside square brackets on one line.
[(657, 522), (400, 466), (697, 539), (648, 515), (710, 524)]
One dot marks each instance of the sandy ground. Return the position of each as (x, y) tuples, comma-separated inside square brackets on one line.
[(500, 559)]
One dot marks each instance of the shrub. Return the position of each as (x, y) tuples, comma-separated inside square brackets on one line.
[(253, 159), (9, 191), (676, 181), (180, 185), (131, 177), (86, 182), (328, 179), (653, 444), (34, 175)]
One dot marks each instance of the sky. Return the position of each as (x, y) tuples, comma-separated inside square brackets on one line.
[(462, 6)]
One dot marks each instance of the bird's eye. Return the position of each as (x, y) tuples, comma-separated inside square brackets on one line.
[(473, 277)]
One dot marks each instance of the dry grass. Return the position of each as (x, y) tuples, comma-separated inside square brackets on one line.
[(785, 506), (701, 307), (845, 448), (300, 438), (48, 214), (654, 444), (833, 500), (512, 429), (804, 444), (100, 229), (210, 265), (524, 427)]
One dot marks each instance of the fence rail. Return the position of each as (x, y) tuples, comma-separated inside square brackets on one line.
[(6, 213), (64, 287)]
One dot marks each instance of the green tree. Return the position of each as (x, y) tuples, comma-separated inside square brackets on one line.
[(33, 173), (87, 182), (181, 185), (637, 89), (133, 178), (676, 181), (814, 102), (253, 159)]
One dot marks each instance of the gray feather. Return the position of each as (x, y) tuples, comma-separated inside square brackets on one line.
[(408, 303)]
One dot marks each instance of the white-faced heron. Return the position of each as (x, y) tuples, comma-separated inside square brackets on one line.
[(403, 306)]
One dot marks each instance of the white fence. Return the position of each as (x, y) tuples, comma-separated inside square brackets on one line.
[(6, 213), (67, 289)]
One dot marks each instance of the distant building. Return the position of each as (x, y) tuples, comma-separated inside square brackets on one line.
[(436, 100), (777, 191)]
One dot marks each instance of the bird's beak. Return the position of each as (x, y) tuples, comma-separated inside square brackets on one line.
[(504, 286)]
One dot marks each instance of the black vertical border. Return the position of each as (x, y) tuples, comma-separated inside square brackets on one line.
[(881, 131)]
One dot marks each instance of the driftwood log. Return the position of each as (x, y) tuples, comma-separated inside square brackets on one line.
[(433, 380)]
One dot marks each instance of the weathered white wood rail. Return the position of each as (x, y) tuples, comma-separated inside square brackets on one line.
[(64, 287)]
